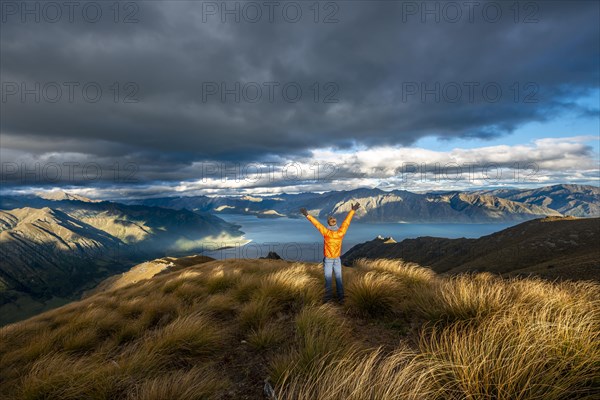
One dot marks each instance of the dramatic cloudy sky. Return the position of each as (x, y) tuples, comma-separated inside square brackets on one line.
[(152, 98)]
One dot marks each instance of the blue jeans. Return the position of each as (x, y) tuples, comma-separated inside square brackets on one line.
[(333, 265)]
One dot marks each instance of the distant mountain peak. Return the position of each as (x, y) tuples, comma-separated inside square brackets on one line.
[(385, 239), (59, 195)]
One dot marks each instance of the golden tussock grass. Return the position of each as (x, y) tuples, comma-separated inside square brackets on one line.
[(220, 305), (320, 337), (290, 288), (266, 336), (411, 274), (375, 294), (225, 326), (360, 374), (196, 383), (186, 337), (221, 280), (256, 313), (246, 287), (482, 337)]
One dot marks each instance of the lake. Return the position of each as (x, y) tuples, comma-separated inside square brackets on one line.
[(297, 239)]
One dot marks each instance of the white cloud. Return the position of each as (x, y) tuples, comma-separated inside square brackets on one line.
[(542, 162)]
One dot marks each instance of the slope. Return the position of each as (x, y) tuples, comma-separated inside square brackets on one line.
[(550, 247), (237, 329)]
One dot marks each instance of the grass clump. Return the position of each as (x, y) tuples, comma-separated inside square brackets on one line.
[(221, 280), (221, 305), (59, 376), (374, 294), (463, 297), (246, 288), (196, 383), (521, 354), (290, 288), (361, 374), (411, 274), (254, 314), (321, 337), (265, 337), (186, 337)]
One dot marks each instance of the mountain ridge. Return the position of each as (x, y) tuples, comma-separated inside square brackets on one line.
[(564, 247), (401, 205), (568, 199), (58, 248)]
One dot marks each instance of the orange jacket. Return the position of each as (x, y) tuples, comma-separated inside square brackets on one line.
[(333, 239)]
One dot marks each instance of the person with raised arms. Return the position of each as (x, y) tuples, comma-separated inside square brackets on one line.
[(332, 249)]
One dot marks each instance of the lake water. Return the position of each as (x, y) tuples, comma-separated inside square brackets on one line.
[(297, 239)]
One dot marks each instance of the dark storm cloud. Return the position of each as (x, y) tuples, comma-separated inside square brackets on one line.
[(371, 60)]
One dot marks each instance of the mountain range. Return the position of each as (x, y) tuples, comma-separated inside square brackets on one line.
[(53, 249), (574, 200), (501, 205)]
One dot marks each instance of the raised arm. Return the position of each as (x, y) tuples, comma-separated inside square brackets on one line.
[(348, 218), (317, 224), (314, 221), (346, 223)]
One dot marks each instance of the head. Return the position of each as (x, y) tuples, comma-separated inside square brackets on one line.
[(331, 221)]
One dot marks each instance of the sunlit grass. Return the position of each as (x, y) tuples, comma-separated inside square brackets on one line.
[(202, 331), (221, 280), (290, 288), (187, 336), (374, 294)]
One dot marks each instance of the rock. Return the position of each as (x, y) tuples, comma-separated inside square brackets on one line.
[(268, 390), (271, 256)]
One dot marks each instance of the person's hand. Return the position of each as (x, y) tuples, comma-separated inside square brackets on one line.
[(355, 206), (304, 212)]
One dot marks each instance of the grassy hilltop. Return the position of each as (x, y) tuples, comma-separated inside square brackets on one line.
[(219, 329)]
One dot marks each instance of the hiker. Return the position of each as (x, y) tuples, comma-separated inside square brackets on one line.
[(332, 249)]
